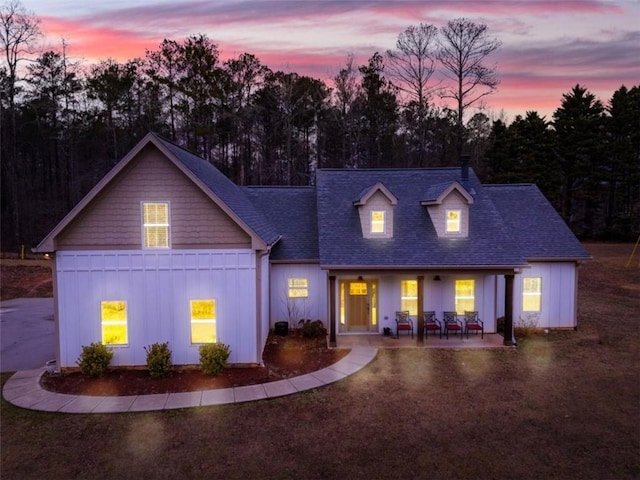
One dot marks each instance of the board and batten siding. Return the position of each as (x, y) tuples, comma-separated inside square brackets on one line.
[(114, 219), (314, 307), (559, 294), (158, 287)]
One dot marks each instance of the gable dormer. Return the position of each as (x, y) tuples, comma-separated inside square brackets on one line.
[(448, 207), (375, 207)]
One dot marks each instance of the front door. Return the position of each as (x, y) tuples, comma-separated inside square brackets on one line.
[(358, 306)]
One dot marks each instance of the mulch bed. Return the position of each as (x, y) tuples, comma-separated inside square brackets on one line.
[(284, 357)]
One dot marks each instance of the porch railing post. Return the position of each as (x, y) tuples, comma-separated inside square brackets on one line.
[(508, 310), (332, 311), (420, 319)]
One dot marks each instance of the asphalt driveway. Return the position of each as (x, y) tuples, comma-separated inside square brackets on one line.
[(26, 333)]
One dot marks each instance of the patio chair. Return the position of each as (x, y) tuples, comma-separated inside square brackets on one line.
[(403, 322), (472, 322), (451, 323), (431, 324)]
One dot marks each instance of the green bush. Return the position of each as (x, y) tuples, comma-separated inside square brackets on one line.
[(313, 328), (94, 359), (213, 357), (158, 359)]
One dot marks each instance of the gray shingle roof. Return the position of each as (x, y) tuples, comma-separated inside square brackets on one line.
[(415, 242), (232, 195), (534, 223), (292, 212)]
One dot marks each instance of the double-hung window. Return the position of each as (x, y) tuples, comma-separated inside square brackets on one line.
[(298, 288), (531, 294), (113, 315), (453, 221), (203, 321), (465, 296), (156, 225), (377, 221), (409, 296)]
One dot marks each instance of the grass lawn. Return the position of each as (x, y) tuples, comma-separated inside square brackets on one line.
[(560, 406)]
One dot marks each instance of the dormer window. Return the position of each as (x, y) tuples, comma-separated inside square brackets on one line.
[(453, 221), (375, 208), (448, 205), (377, 221)]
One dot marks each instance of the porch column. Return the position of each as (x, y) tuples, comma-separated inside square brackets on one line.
[(420, 319), (508, 310), (332, 311)]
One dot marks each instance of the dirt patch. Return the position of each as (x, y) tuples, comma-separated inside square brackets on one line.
[(284, 357), (25, 278)]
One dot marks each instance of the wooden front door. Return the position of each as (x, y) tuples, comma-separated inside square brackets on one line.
[(358, 306)]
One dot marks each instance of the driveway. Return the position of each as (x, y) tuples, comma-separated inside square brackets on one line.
[(26, 333)]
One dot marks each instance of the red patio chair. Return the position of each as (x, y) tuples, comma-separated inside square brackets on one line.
[(403, 322), (452, 324), (431, 324), (472, 322)]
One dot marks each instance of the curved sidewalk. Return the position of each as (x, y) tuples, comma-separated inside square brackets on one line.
[(23, 390)]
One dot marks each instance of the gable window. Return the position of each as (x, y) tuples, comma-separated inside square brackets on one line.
[(298, 288), (465, 296), (113, 316), (377, 221), (409, 296), (531, 294), (156, 227), (203, 321), (453, 221)]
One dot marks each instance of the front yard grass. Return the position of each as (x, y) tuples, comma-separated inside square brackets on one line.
[(561, 406)]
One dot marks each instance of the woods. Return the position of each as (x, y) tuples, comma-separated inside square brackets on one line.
[(65, 124)]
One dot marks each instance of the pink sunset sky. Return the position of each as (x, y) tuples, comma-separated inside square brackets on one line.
[(547, 46)]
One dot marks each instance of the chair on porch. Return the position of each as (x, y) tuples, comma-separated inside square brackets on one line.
[(472, 322), (403, 322), (431, 324), (451, 323)]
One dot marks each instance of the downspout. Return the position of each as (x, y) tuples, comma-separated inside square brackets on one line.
[(259, 317)]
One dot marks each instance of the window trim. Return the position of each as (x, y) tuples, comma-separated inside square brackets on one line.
[(537, 294), (145, 225), (213, 321), (447, 221), (124, 322), (382, 222), (299, 285)]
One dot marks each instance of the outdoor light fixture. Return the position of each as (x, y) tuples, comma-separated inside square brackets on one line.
[(436, 278)]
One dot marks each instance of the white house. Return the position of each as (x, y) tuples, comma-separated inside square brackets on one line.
[(166, 248)]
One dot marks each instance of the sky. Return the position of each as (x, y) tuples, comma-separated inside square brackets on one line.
[(547, 46)]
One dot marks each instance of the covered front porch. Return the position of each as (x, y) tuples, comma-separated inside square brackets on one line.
[(491, 340)]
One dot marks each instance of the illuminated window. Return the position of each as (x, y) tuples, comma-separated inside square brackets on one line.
[(343, 318), (453, 221), (374, 305), (358, 288), (409, 296), (377, 221), (114, 322), (298, 288), (531, 294), (203, 321), (155, 219), (465, 296)]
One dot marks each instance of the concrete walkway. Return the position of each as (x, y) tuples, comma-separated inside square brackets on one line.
[(23, 390)]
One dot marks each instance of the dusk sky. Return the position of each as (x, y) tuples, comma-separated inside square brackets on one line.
[(547, 46)]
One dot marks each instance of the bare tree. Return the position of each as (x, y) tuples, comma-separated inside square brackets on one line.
[(412, 64), (19, 31), (463, 50)]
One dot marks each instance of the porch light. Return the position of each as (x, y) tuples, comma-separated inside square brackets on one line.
[(436, 278)]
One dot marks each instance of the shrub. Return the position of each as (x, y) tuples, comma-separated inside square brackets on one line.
[(313, 329), (158, 359), (213, 357), (94, 359)]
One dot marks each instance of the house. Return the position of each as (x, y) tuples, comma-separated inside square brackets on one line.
[(166, 248)]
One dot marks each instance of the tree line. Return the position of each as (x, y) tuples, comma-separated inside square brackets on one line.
[(64, 125)]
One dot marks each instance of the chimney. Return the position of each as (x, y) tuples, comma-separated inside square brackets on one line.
[(464, 170)]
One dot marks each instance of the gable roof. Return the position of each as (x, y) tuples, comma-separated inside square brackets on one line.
[(535, 224), (222, 191), (436, 194), (415, 243), (367, 193), (292, 212)]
